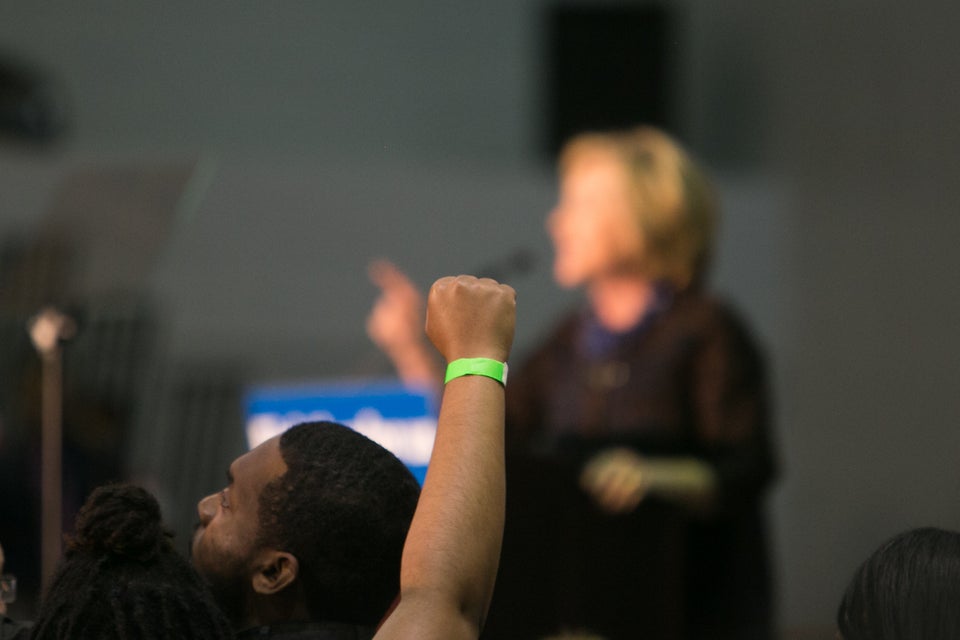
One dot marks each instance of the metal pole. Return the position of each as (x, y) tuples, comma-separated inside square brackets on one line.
[(46, 330)]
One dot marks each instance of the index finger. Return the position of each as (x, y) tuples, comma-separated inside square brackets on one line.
[(386, 275)]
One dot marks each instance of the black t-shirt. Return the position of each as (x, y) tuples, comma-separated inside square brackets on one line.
[(308, 631)]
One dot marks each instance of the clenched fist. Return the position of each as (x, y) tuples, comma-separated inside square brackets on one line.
[(470, 317)]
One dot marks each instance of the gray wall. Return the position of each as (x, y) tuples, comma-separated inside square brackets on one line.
[(329, 133)]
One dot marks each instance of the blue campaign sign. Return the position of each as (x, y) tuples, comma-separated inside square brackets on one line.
[(399, 418)]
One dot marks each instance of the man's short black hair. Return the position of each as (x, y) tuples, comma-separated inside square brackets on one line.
[(908, 588), (122, 578), (343, 508)]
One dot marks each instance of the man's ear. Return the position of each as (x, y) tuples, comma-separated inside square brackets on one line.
[(275, 571)]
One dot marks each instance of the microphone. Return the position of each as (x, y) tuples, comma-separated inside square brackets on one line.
[(517, 263)]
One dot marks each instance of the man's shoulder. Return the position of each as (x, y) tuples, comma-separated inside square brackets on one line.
[(308, 631)]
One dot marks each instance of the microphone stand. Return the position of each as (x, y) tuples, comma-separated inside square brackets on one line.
[(47, 329)]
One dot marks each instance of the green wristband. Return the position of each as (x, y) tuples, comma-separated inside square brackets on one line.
[(477, 367)]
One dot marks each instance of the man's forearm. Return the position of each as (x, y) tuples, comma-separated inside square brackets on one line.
[(454, 541), (453, 547)]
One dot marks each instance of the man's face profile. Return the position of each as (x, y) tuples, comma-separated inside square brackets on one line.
[(225, 540)]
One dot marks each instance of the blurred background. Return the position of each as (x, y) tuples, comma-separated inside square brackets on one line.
[(202, 186)]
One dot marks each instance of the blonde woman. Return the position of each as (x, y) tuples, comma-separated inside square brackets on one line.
[(653, 393)]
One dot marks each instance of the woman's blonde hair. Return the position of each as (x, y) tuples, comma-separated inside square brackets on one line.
[(673, 200)]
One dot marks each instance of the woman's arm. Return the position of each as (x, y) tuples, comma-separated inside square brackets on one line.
[(395, 325)]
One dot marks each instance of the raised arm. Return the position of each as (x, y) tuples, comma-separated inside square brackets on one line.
[(452, 551)]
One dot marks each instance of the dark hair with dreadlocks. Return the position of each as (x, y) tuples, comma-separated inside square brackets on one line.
[(908, 589), (342, 508), (122, 578)]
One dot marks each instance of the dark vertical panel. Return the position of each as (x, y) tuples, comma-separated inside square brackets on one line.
[(608, 66)]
